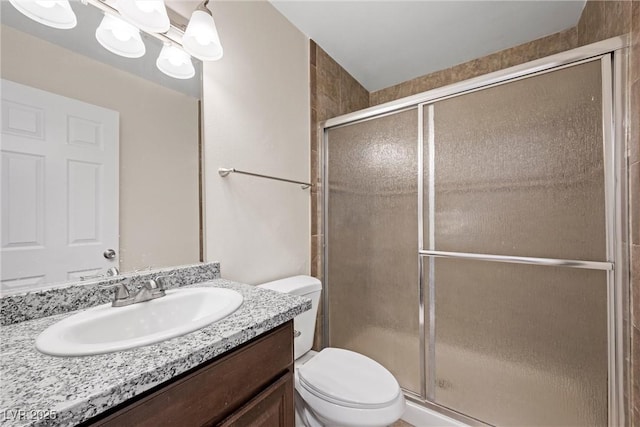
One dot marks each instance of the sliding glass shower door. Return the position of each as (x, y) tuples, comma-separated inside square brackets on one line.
[(469, 250), (518, 170), (373, 253)]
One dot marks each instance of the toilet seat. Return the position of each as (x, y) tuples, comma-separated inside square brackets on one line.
[(349, 379), (344, 386)]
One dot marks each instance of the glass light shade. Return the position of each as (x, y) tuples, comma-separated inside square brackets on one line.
[(148, 15), (201, 37), (120, 37), (175, 62), (52, 13)]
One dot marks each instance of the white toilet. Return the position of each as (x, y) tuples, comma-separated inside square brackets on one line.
[(336, 387)]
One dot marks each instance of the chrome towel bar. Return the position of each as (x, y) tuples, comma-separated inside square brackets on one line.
[(226, 171)]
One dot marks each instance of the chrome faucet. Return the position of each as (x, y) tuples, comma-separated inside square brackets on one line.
[(122, 295), (152, 289)]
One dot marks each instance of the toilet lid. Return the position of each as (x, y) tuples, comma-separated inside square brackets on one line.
[(349, 379)]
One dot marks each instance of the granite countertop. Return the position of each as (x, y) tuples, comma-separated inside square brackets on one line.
[(37, 389)]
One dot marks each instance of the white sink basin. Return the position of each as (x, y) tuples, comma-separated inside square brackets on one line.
[(105, 329)]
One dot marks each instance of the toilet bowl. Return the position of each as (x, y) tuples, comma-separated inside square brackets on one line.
[(336, 387)]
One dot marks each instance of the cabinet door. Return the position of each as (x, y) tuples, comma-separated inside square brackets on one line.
[(273, 407)]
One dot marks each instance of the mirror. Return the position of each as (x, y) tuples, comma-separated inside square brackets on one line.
[(99, 153)]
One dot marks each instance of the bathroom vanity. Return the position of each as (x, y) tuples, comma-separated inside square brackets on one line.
[(236, 371), (250, 386)]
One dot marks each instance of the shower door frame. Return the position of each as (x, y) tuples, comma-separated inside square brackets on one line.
[(614, 56)]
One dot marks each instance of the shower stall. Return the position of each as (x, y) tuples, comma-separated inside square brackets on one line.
[(474, 241)]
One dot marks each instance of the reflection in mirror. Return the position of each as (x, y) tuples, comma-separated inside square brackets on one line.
[(100, 156)]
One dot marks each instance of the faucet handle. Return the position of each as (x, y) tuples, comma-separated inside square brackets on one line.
[(142, 269), (160, 279), (122, 293), (156, 288), (113, 271)]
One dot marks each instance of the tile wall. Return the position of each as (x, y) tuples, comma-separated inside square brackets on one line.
[(539, 48)]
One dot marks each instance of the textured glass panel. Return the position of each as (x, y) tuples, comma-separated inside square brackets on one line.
[(521, 345), (372, 242), (519, 168)]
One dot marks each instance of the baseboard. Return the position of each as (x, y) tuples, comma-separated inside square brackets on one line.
[(420, 416)]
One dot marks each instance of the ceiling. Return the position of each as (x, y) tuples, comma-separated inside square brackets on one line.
[(382, 43)]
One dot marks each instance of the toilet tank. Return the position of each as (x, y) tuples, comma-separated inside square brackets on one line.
[(304, 323)]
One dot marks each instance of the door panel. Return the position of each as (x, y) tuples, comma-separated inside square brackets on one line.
[(59, 188), (521, 344), (373, 263), (519, 168)]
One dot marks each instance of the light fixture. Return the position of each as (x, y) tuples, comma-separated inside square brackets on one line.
[(148, 15), (201, 39), (119, 30), (120, 37), (175, 62), (52, 13)]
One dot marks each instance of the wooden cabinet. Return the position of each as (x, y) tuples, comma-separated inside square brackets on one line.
[(271, 408), (250, 386)]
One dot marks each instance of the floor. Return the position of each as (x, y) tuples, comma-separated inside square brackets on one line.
[(401, 423)]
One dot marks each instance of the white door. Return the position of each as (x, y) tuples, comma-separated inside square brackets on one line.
[(59, 176)]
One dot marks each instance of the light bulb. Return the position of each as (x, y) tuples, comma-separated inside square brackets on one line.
[(52, 13), (175, 63), (148, 15), (147, 6), (120, 37), (201, 38), (46, 3), (121, 34)]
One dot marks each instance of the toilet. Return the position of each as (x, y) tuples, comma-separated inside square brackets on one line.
[(336, 387)]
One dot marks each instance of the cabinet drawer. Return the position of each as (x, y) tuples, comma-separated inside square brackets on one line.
[(211, 393)]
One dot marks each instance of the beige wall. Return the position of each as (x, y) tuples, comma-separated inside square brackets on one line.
[(256, 118), (159, 220)]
